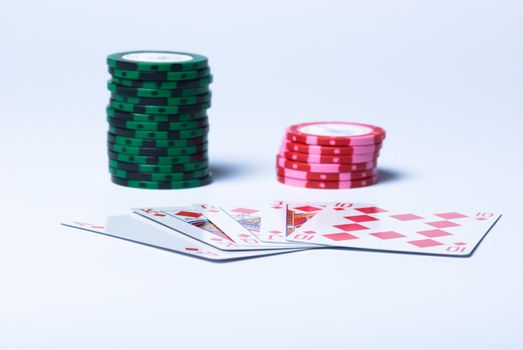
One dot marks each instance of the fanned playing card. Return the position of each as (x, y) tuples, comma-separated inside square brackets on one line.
[(193, 223), (365, 226), (237, 231), (136, 229), (297, 214), (266, 222)]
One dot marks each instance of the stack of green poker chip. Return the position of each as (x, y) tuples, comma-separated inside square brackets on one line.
[(157, 116)]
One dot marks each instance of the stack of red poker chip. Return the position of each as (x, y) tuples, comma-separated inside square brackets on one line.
[(331, 155)]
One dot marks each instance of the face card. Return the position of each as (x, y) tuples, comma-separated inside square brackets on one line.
[(136, 229), (248, 216), (234, 229), (266, 222), (365, 226), (190, 222)]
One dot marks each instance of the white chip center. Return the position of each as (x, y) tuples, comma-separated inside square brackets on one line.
[(334, 129), (157, 57)]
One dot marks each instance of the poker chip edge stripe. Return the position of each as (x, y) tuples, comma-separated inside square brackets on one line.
[(322, 150), (156, 118), (157, 160), (156, 143), (324, 168), (327, 184), (160, 75), (164, 85), (327, 159), (162, 185), (157, 168), (159, 135), (142, 176), (157, 151), (328, 177)]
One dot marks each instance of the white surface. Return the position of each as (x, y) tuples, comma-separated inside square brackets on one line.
[(443, 78)]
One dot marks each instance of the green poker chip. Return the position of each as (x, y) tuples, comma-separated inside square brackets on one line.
[(173, 134), (155, 143), (157, 126), (148, 109), (148, 151), (161, 61), (160, 76), (160, 160), (180, 176), (163, 101), (164, 85), (162, 185), (137, 92), (156, 168), (140, 117)]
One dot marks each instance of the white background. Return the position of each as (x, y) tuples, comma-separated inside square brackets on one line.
[(443, 77)]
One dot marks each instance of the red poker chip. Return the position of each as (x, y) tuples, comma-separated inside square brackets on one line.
[(330, 150), (306, 175), (335, 134), (328, 184), (314, 158), (324, 168)]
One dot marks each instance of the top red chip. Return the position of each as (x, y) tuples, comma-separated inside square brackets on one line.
[(335, 134)]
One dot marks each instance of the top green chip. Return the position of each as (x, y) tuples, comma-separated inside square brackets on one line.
[(157, 61)]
